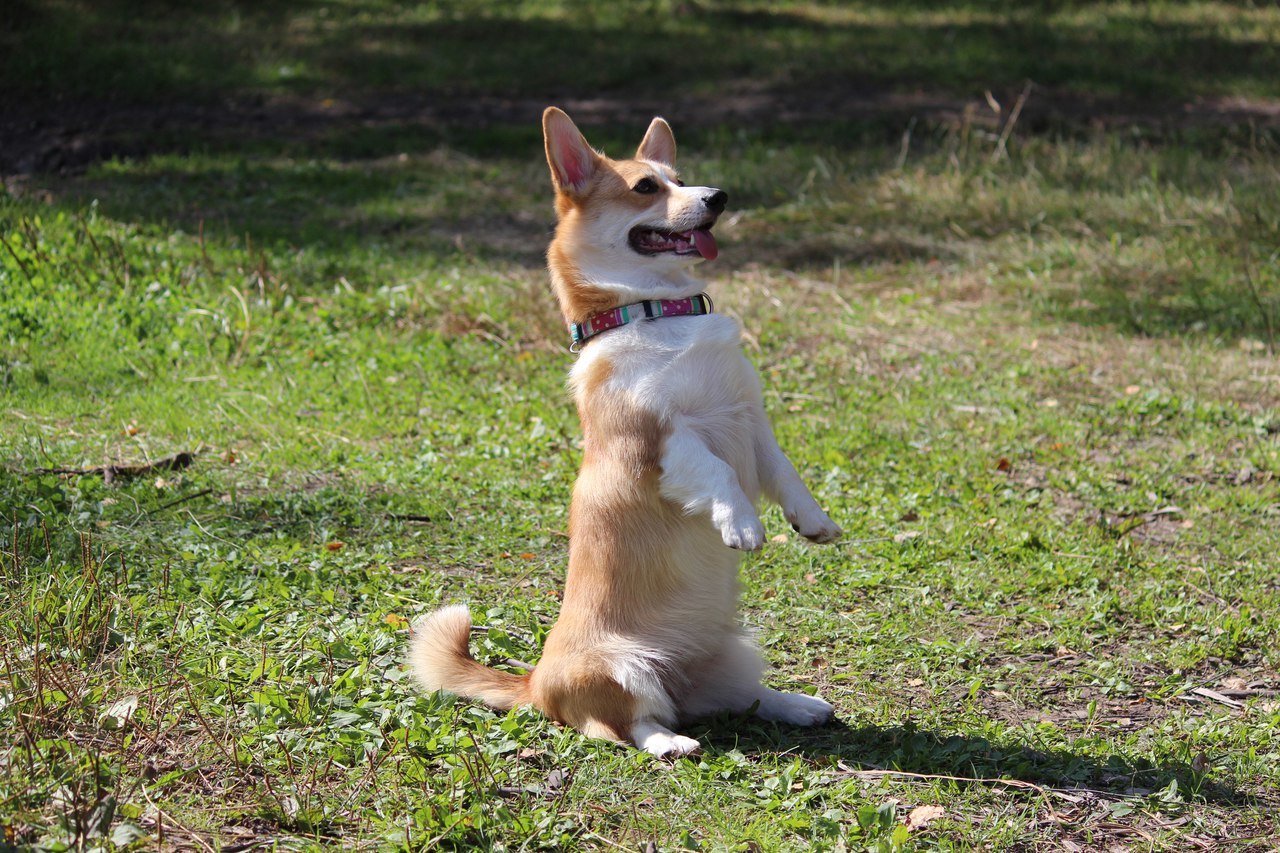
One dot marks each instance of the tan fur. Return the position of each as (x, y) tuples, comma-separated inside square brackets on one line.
[(676, 451), (610, 184), (441, 660)]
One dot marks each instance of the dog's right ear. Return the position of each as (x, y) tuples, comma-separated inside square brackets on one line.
[(571, 159)]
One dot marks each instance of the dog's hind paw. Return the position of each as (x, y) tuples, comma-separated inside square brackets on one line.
[(798, 709), (662, 742), (675, 746)]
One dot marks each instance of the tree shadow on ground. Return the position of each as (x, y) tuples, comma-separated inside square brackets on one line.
[(87, 80), (358, 85), (963, 759)]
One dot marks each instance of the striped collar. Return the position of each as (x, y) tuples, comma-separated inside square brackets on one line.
[(648, 310)]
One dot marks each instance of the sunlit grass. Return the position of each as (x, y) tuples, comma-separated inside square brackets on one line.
[(1033, 379)]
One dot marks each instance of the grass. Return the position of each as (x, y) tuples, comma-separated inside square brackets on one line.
[(1035, 382), (1160, 50)]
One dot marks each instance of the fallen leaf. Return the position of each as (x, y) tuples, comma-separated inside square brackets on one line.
[(922, 816), (905, 535), (395, 620), (557, 779), (335, 546), (1217, 697), (1003, 464)]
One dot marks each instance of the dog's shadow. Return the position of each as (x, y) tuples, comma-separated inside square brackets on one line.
[(907, 751)]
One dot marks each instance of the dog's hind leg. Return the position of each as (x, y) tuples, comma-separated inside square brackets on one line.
[(618, 696), (798, 709), (731, 682)]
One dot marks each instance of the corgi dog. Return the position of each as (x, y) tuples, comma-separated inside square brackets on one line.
[(677, 449)]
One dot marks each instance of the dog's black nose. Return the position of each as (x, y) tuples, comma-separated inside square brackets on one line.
[(716, 201)]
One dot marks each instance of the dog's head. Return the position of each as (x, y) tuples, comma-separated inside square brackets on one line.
[(628, 228)]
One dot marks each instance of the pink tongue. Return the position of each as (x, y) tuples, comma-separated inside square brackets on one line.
[(705, 244)]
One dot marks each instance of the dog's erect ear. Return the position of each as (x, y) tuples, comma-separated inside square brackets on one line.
[(572, 160), (659, 144)]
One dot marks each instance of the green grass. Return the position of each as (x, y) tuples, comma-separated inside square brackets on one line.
[(131, 51), (1035, 383)]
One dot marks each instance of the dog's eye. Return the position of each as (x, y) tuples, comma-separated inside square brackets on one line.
[(645, 186)]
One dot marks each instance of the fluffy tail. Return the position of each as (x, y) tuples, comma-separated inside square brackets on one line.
[(441, 660)]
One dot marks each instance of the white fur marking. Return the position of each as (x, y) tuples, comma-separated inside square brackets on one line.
[(798, 709), (662, 742)]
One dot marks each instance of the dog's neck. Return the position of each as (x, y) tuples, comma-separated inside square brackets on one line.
[(628, 283), (648, 309)]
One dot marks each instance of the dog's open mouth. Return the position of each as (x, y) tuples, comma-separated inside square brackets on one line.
[(655, 241)]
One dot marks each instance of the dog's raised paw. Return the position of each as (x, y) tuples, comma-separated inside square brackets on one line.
[(830, 532), (817, 528), (737, 533), (744, 539)]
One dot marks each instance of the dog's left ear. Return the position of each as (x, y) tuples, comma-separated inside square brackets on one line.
[(659, 144)]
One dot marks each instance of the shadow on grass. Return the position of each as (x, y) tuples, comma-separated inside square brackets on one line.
[(88, 80), (161, 49), (969, 760), (357, 80)]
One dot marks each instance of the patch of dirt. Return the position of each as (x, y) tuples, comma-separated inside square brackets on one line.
[(68, 136)]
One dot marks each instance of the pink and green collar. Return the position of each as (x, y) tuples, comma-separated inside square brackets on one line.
[(650, 309)]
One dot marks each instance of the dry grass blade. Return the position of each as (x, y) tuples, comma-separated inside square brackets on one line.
[(110, 473)]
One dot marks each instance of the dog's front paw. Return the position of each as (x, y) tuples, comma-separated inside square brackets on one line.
[(745, 538), (816, 526), (740, 531)]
